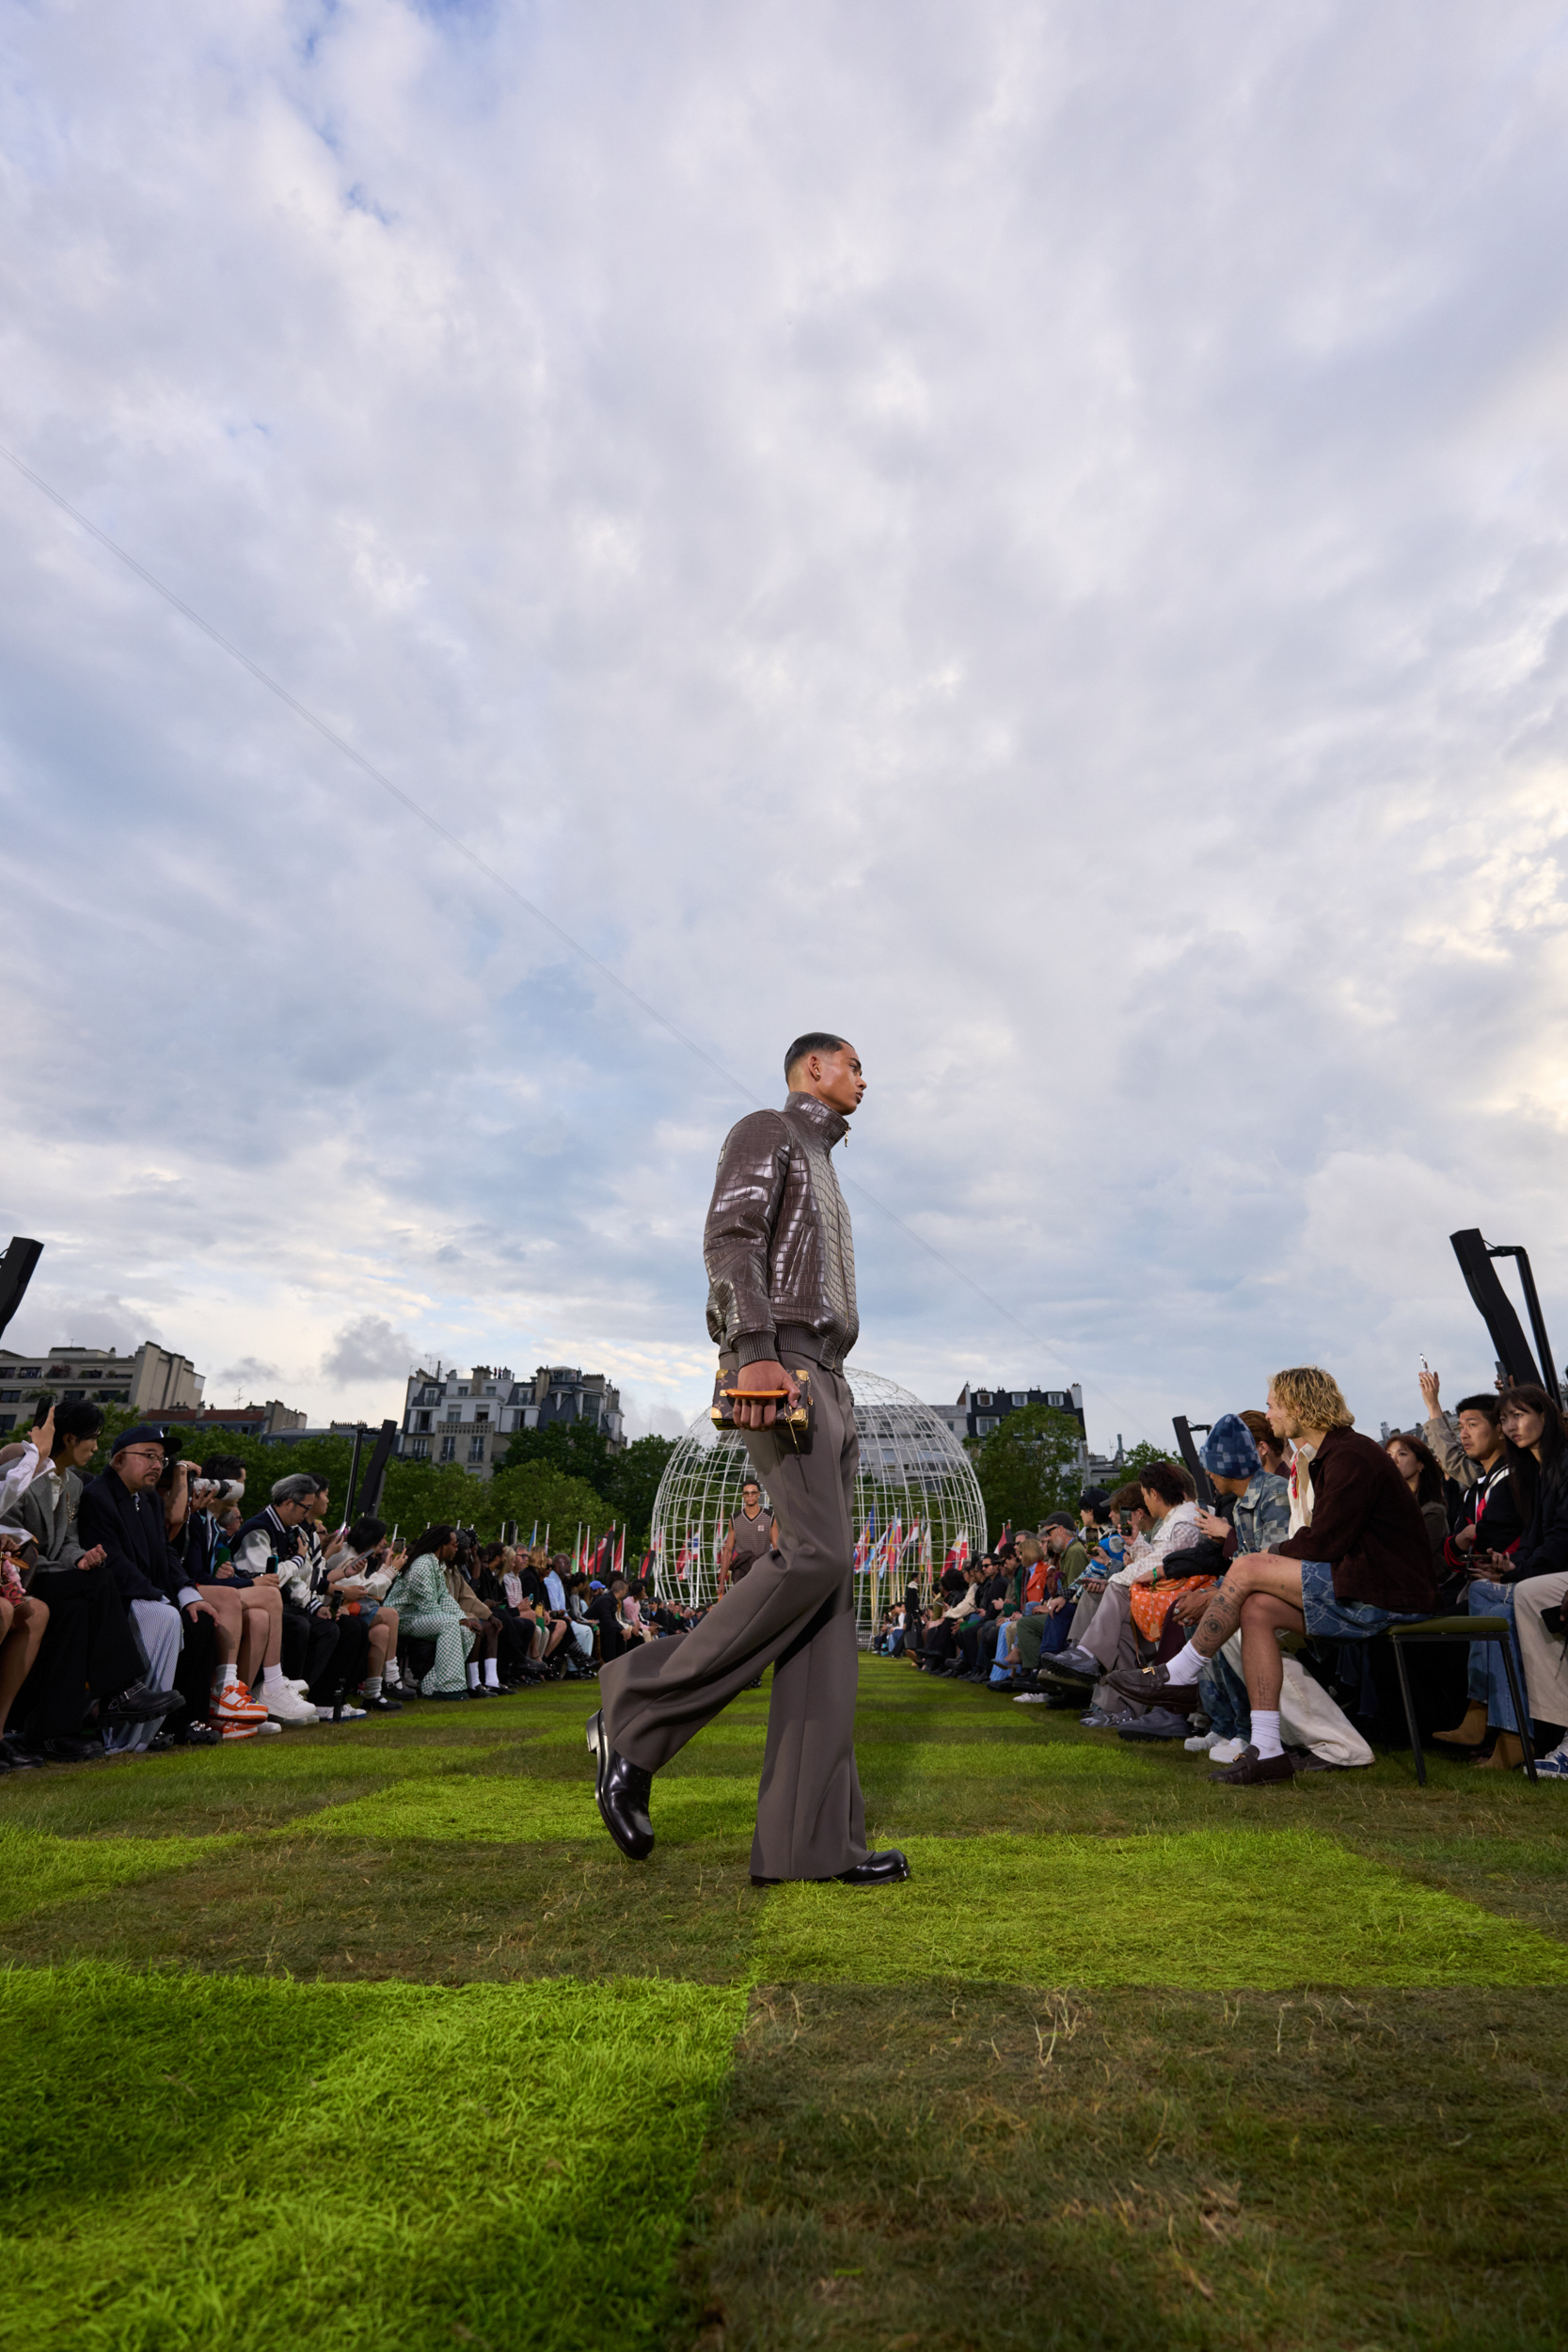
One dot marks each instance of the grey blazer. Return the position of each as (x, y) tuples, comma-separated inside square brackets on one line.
[(52, 1525)]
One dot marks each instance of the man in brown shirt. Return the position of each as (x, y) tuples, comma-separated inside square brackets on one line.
[(751, 1534), (1361, 1563)]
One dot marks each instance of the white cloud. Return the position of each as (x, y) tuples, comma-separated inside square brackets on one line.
[(1027, 537), (368, 1348)]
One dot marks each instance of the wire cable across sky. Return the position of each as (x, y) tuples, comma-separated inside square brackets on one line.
[(500, 882)]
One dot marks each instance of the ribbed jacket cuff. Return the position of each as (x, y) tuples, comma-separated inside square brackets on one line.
[(755, 1347)]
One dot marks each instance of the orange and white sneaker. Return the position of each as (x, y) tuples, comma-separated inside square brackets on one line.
[(234, 1705), (239, 1731)]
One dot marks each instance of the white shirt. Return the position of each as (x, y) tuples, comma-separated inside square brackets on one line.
[(18, 1476), (555, 1589), (1143, 1561)]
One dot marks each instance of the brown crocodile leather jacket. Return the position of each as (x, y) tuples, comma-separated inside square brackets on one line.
[(777, 1243)]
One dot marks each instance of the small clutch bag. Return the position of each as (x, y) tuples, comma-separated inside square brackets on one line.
[(795, 1419)]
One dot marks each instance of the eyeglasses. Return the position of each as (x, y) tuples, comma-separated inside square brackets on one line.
[(145, 1454)]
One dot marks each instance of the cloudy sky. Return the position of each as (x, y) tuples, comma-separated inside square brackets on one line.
[(1034, 535)]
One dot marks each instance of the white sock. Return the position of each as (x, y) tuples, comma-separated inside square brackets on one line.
[(392, 1678), (226, 1678), (1186, 1665), (272, 1679), (1265, 1733), (473, 1677), (491, 1676), (371, 1686)]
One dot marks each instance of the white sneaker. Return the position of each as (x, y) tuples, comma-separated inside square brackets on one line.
[(1227, 1751), (1030, 1698), (286, 1706), (1553, 1767), (1201, 1745), (349, 1715), (263, 1729)]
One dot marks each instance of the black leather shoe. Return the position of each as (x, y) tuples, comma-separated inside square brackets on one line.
[(140, 1705), (878, 1869), (380, 1705), (622, 1791)]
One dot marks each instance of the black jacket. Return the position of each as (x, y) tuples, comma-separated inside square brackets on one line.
[(1544, 1548), (130, 1530)]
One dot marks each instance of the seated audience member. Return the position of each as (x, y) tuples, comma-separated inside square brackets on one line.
[(953, 1605), (498, 1584), (1260, 1518), (1497, 1498), (1134, 1605), (1441, 1433), (484, 1624), (1108, 1559), (1045, 1625), (120, 1512), (977, 1638), (1418, 1466), (84, 1651), (1362, 1563), (578, 1644), (358, 1573), (273, 1550), (579, 1610), (1521, 1585), (1273, 1451), (22, 1621), (427, 1610), (241, 1619), (22, 1458)]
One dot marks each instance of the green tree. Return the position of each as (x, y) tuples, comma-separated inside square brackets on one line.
[(1143, 1452), (572, 1449), (1028, 1467), (538, 1491), (634, 1477)]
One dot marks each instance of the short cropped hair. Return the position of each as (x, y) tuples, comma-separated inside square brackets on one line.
[(814, 1041), (1488, 1402), (223, 1466), (73, 1420), (365, 1535), (1128, 1498), (1165, 1480), (1314, 1396), (297, 1487)]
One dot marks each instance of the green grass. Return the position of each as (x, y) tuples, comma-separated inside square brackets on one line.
[(228, 2165), (1206, 1908), (367, 2035)]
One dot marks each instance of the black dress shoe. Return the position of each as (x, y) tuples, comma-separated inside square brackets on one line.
[(622, 1789), (140, 1705), (380, 1705), (15, 1757), (878, 1869)]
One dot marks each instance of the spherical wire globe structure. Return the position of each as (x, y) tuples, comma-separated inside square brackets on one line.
[(917, 1502)]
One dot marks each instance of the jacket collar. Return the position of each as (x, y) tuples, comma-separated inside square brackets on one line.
[(826, 1125)]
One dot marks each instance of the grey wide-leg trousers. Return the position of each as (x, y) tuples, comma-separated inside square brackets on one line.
[(793, 1610)]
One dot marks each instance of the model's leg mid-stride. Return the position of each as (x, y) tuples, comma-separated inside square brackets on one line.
[(782, 1300)]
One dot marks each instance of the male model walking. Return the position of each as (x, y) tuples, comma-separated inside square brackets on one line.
[(781, 1268)]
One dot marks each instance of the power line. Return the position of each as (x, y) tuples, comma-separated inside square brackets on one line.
[(454, 841)]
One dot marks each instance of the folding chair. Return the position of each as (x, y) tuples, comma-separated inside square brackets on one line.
[(1461, 1629)]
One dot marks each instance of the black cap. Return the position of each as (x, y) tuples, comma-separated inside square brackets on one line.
[(1059, 1518), (143, 1434)]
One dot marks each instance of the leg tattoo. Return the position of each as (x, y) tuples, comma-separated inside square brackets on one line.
[(1218, 1623)]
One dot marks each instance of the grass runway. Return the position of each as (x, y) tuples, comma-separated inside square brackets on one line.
[(367, 2037)]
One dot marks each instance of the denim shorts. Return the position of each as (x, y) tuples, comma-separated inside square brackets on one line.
[(1331, 1619)]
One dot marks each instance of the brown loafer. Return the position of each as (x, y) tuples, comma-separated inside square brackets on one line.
[(1251, 1770), (1151, 1686)]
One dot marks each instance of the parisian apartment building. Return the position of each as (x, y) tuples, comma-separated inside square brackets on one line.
[(471, 1417), (154, 1381), (978, 1411)]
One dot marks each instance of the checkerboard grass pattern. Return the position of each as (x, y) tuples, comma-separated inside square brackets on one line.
[(371, 2037)]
